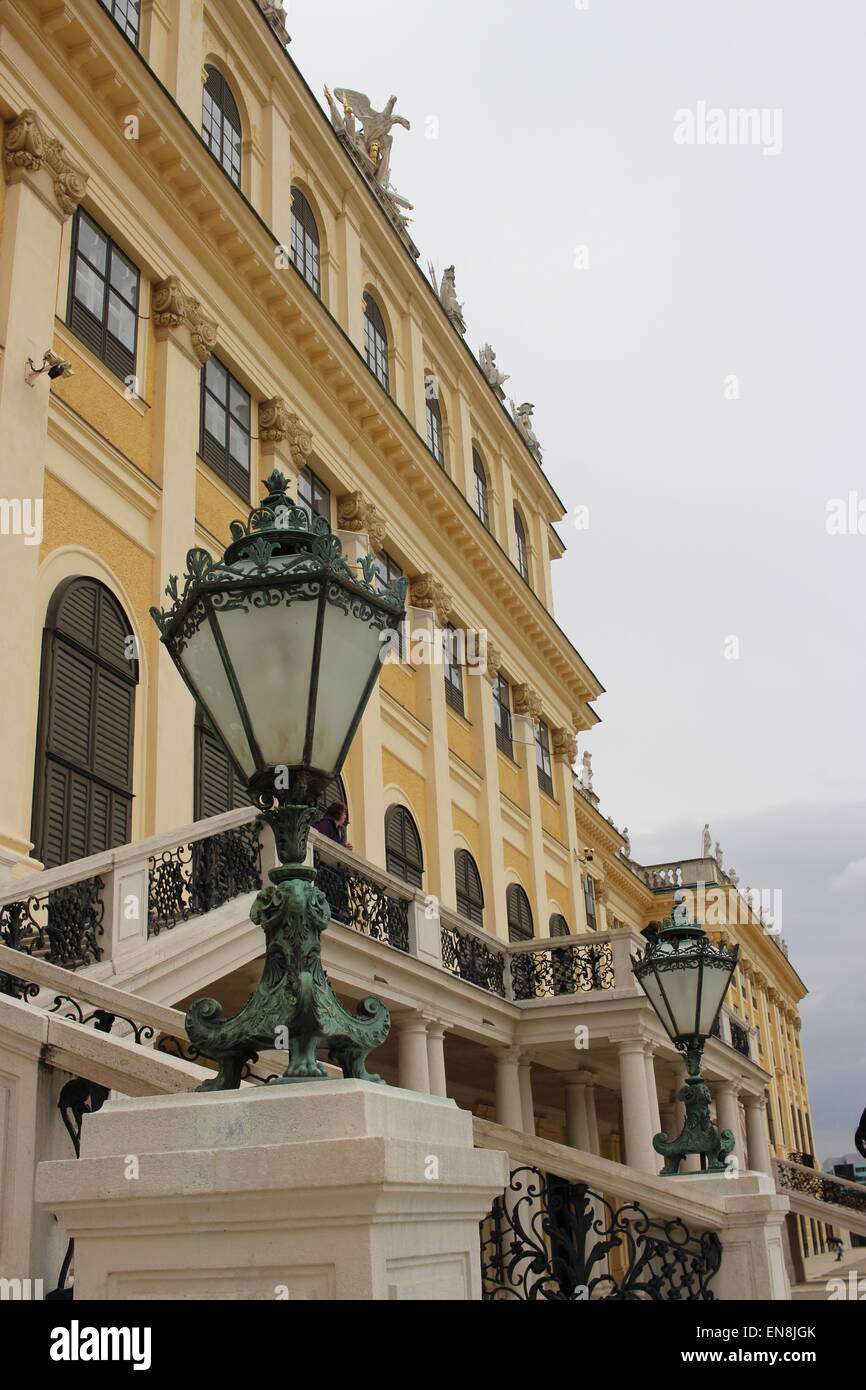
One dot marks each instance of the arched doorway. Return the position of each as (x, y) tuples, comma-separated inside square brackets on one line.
[(83, 783)]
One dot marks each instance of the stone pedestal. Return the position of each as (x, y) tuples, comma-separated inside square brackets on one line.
[(753, 1257), (328, 1190)]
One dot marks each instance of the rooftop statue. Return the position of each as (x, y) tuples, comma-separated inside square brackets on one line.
[(447, 292), (523, 420), (707, 843), (586, 772), (374, 138), (487, 363)]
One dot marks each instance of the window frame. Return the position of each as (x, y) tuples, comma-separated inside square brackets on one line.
[(481, 504), (589, 902), (307, 261), (113, 9), (376, 346), (502, 708), (558, 926), (319, 502), (455, 693), (543, 760), (387, 570), (522, 547), (415, 876), (220, 99), (217, 455), (470, 905), (433, 420), (515, 893), (82, 321)]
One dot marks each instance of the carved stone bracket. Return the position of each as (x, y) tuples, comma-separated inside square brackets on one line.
[(426, 591), (527, 702), (356, 513), (172, 306), (27, 148), (277, 423), (494, 662), (276, 17), (564, 746)]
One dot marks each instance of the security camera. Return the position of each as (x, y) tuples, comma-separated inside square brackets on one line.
[(53, 365)]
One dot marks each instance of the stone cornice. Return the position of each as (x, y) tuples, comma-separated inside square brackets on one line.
[(27, 148)]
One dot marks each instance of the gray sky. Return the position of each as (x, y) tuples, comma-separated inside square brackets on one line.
[(707, 514)]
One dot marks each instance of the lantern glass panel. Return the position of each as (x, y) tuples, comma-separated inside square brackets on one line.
[(202, 663), (270, 643), (351, 648)]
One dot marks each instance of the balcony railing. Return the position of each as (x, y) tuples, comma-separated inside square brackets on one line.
[(546, 972), (190, 879), (367, 904), (740, 1039), (472, 955)]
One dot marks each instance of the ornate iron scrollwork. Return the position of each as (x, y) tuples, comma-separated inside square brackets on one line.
[(197, 877), (548, 1239), (472, 960), (560, 970), (61, 926), (814, 1183), (361, 903)]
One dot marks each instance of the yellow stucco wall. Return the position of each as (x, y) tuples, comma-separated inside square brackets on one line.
[(460, 740), (557, 892), (511, 783), (399, 682), (396, 773), (125, 425), (469, 828), (513, 859), (551, 818), (213, 510)]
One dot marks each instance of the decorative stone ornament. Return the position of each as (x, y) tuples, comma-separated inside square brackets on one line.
[(277, 423), (527, 702), (487, 363), (564, 746), (27, 147), (172, 306), (276, 17), (494, 662), (426, 591), (356, 513)]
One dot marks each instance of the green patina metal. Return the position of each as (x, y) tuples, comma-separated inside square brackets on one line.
[(698, 1135), (282, 556), (293, 1005)]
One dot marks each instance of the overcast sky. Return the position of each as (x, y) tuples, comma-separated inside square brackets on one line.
[(688, 320)]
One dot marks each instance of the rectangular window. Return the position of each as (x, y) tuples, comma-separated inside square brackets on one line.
[(589, 901), (103, 297), (502, 716), (454, 695), (225, 426), (313, 496), (125, 15), (387, 570), (542, 757)]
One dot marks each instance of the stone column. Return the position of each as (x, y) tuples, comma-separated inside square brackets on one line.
[(592, 1121), (564, 747), (526, 1102), (728, 1112), (526, 702), (44, 189), (348, 286), (637, 1120), (413, 1066), (652, 1096), (185, 59), (577, 1133), (757, 1136), (436, 1058), (185, 338), (509, 1103), (430, 608)]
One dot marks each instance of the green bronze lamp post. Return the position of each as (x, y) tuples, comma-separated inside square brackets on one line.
[(281, 644), (685, 977)]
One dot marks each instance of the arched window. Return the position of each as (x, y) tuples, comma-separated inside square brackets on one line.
[(470, 894), (376, 341), (83, 784), (217, 786), (434, 419), (334, 791), (305, 241), (480, 503), (221, 123), (519, 914), (522, 551), (403, 856), (558, 925)]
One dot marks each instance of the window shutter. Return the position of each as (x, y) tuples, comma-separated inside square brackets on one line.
[(403, 856), (519, 914), (218, 787)]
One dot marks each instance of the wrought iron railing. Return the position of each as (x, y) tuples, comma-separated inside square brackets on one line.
[(807, 1160), (61, 926), (200, 875), (550, 1239), (468, 956), (360, 902), (792, 1177), (740, 1039), (559, 970)]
